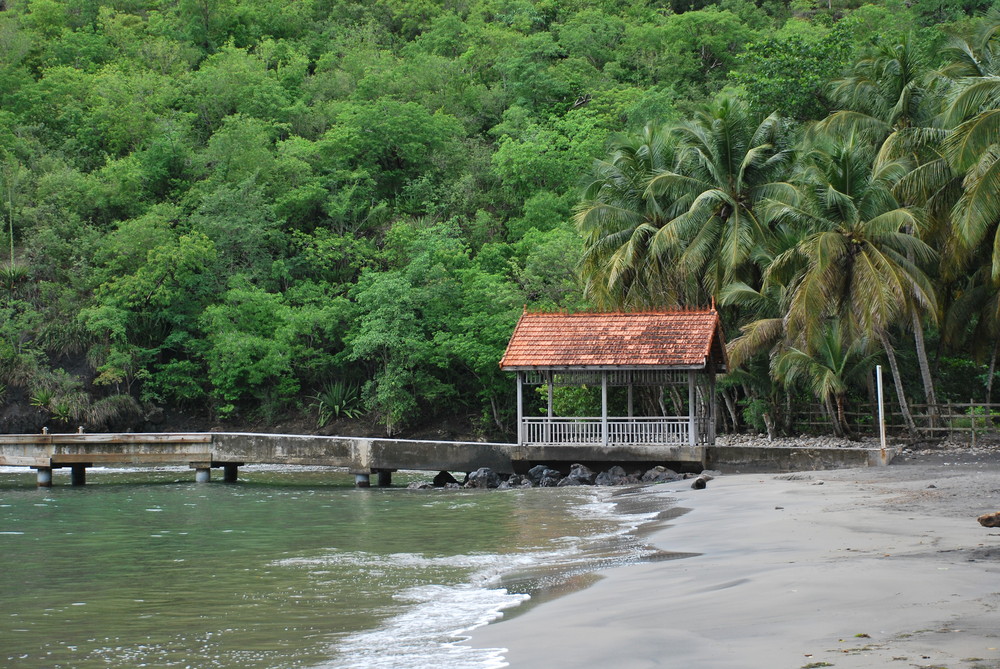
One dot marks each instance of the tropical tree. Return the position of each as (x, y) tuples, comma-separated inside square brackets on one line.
[(857, 269), (618, 220), (728, 164), (828, 367), (889, 97), (670, 217)]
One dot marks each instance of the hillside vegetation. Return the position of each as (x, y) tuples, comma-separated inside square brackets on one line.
[(248, 210)]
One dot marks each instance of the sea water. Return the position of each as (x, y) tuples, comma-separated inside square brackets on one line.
[(289, 567)]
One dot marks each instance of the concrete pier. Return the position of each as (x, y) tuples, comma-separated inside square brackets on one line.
[(363, 456)]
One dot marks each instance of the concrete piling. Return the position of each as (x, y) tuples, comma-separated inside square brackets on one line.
[(44, 478), (203, 474), (362, 481), (78, 474)]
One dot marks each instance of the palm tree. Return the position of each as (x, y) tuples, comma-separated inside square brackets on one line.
[(972, 149), (727, 163), (617, 220), (857, 270), (828, 367), (890, 97)]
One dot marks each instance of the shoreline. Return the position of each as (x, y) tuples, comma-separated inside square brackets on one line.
[(852, 568)]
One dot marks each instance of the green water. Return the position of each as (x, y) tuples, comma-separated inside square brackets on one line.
[(287, 568)]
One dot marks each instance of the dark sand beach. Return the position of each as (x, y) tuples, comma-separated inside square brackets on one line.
[(859, 568)]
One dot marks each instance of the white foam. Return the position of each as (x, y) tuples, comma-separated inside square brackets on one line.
[(430, 631)]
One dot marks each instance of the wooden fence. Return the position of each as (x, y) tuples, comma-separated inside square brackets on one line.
[(969, 420)]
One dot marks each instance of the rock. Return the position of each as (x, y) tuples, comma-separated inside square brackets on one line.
[(660, 474), (699, 483), (515, 481), (539, 472), (444, 478), (582, 474), (568, 481), (990, 519), (614, 476), (482, 478), (549, 481), (452, 486), (420, 485)]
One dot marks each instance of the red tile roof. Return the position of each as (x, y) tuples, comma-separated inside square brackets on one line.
[(679, 339)]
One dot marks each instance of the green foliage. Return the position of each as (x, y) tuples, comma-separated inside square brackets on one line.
[(790, 74), (334, 400), (225, 203)]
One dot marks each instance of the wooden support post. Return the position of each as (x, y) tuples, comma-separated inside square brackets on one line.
[(384, 478), (230, 472)]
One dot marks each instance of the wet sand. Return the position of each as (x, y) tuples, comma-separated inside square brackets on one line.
[(861, 568)]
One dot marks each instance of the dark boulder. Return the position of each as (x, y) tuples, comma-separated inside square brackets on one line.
[(484, 477), (582, 474), (660, 474), (568, 481), (444, 478), (548, 481), (515, 481), (614, 476), (540, 472)]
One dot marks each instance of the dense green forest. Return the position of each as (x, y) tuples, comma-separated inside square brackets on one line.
[(249, 210)]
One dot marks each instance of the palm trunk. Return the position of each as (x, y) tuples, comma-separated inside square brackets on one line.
[(993, 369), (834, 419), (731, 408), (897, 381), (842, 417), (787, 419), (925, 371)]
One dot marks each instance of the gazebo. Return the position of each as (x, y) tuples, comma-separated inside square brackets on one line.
[(667, 350)]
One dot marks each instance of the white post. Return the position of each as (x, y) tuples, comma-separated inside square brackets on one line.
[(692, 425), (604, 408), (881, 409), (548, 423), (520, 409)]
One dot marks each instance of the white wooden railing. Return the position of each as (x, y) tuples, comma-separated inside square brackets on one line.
[(645, 430)]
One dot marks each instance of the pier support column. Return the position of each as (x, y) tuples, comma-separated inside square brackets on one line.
[(362, 481), (203, 474), (78, 474), (44, 477), (384, 478), (229, 472)]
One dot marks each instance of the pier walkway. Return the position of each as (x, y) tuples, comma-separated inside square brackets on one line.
[(204, 451)]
